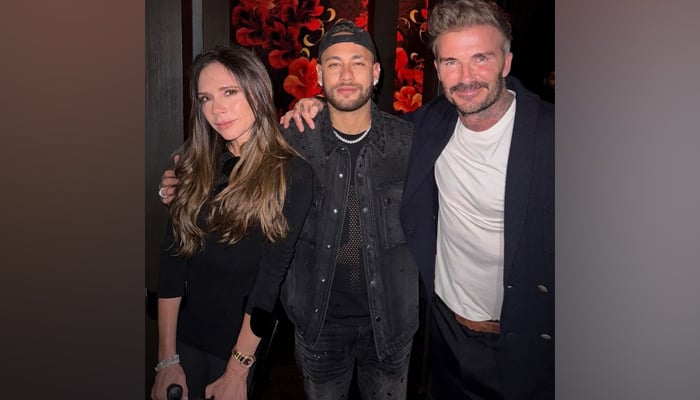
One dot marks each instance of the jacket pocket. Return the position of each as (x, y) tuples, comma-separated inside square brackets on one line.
[(390, 226)]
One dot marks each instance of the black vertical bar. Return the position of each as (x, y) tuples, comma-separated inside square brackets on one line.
[(186, 63)]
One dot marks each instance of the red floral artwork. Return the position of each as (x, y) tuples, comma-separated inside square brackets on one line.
[(407, 99), (284, 42), (302, 80), (362, 20), (249, 26), (410, 47)]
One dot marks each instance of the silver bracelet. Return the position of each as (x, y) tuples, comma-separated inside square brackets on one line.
[(168, 361)]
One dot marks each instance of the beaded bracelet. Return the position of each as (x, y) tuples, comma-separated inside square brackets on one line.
[(168, 361)]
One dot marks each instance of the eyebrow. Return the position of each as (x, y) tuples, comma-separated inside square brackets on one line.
[(481, 54), (441, 59), (222, 88), (484, 54)]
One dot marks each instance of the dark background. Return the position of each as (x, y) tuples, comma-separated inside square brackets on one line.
[(73, 161)]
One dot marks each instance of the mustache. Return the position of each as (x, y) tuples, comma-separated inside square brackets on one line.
[(471, 86)]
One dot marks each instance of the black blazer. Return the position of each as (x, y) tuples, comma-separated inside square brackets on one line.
[(527, 314)]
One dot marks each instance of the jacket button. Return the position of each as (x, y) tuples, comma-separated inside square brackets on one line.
[(323, 280), (328, 246), (335, 211), (378, 319), (340, 176), (545, 336), (387, 201), (509, 287), (542, 288), (316, 310), (365, 210)]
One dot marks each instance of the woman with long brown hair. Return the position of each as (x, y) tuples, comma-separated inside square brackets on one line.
[(242, 199)]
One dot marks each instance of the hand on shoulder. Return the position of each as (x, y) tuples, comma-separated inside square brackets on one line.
[(304, 111)]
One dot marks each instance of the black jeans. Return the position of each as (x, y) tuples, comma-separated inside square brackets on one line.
[(462, 364), (328, 366)]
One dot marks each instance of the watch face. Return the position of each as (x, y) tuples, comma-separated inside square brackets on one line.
[(247, 361)]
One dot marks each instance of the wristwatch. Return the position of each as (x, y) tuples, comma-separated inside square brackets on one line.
[(245, 360)]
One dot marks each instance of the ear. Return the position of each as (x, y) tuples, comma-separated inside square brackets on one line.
[(376, 71), (506, 64), (319, 74)]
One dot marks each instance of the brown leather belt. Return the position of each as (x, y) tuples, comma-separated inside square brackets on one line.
[(479, 326)]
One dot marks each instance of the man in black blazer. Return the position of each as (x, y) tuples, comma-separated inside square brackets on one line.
[(478, 214)]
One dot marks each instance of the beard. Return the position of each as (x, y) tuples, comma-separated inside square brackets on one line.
[(492, 96), (348, 105)]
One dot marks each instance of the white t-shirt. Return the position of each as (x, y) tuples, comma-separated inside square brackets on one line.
[(471, 176)]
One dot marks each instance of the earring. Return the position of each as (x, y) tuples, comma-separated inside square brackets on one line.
[(375, 83)]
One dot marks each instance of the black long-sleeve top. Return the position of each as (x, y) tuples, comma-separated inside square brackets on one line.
[(221, 282)]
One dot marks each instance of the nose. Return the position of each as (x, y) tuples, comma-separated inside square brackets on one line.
[(346, 73), (217, 107), (467, 73)]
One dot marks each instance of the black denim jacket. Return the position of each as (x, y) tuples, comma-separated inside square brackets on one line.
[(392, 275)]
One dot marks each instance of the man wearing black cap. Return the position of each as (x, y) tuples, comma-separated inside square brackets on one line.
[(352, 289)]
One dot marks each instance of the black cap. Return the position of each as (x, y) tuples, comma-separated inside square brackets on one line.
[(345, 31)]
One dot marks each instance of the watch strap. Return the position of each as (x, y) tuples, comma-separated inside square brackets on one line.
[(246, 360)]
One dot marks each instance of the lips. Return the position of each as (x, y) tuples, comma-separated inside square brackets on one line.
[(224, 125), (467, 92), (346, 90)]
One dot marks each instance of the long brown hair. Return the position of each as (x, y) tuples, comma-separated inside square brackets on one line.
[(257, 184)]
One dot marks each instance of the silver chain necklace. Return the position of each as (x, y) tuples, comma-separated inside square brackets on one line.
[(353, 141)]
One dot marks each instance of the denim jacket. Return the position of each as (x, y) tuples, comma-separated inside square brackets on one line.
[(391, 273)]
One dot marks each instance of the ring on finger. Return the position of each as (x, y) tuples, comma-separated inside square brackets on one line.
[(160, 193)]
